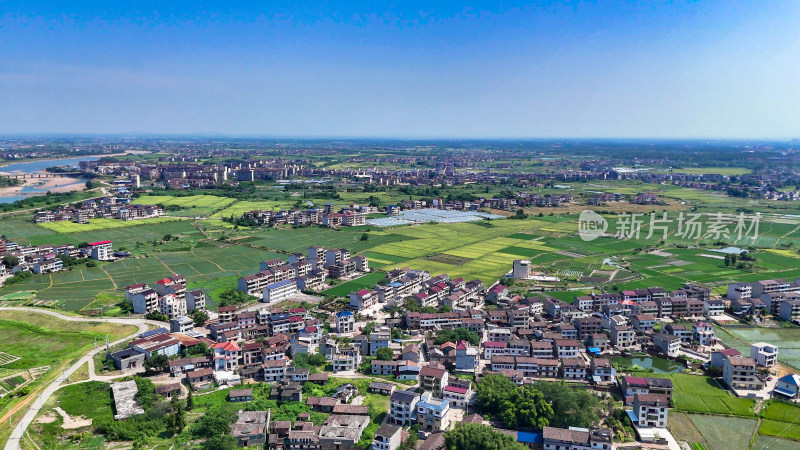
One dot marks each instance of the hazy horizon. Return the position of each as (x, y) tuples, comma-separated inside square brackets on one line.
[(344, 70)]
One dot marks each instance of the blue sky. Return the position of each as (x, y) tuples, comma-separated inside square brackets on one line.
[(706, 69)]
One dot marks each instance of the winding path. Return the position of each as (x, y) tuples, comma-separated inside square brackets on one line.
[(20, 428)]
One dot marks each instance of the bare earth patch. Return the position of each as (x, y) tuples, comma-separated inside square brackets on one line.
[(71, 423), (47, 418)]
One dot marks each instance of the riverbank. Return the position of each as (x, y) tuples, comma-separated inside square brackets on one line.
[(38, 186)]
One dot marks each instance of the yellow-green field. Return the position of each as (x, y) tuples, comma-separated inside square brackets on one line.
[(192, 201), (241, 207), (102, 224)]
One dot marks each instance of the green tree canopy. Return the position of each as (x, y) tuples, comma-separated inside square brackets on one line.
[(457, 334), (199, 316), (527, 408), (474, 436), (384, 354), (571, 407), (493, 391), (215, 422)]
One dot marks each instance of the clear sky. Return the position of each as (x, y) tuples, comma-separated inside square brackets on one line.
[(434, 68)]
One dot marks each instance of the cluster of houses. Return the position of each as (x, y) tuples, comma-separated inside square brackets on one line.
[(777, 297), (50, 258), (170, 297), (352, 216), (279, 279), (524, 339), (118, 206), (179, 172), (426, 291)]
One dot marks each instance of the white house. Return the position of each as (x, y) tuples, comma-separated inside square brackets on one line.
[(764, 354), (281, 290)]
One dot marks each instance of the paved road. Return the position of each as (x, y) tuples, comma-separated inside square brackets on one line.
[(44, 395)]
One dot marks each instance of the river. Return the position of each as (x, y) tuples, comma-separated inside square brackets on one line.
[(38, 166)]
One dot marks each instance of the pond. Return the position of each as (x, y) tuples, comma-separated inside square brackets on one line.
[(659, 365)]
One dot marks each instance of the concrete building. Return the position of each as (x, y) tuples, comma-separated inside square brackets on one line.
[(650, 410), (403, 407), (740, 373), (181, 324), (195, 300), (125, 405), (345, 322), (388, 437), (521, 269), (764, 354), (281, 290), (667, 344), (432, 413), (101, 251)]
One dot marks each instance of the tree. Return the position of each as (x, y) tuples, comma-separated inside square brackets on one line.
[(198, 349), (215, 422), (199, 316), (155, 315), (190, 401), (475, 436), (10, 261), (364, 236), (233, 296), (455, 335), (157, 363), (410, 443), (308, 360), (384, 354), (223, 442), (494, 391), (178, 419), (571, 407), (527, 409), (89, 184)]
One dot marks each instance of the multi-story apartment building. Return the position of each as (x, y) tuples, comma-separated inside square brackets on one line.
[(740, 373), (650, 410), (432, 413), (403, 407)]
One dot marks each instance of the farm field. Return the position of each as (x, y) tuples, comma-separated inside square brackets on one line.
[(723, 433), (781, 420), (102, 224), (42, 340), (787, 339), (240, 207), (24, 231), (366, 282), (298, 240), (773, 443), (482, 250), (701, 394), (76, 289)]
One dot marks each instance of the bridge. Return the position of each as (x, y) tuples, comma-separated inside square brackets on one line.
[(22, 176)]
